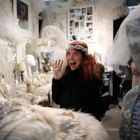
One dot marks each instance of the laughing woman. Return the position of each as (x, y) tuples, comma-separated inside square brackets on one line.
[(78, 87)]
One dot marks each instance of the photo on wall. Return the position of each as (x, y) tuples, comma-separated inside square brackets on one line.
[(22, 14), (80, 23)]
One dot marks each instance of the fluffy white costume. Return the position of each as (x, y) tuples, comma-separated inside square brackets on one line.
[(33, 122), (120, 51), (21, 118)]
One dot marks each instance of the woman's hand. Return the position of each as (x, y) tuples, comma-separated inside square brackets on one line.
[(134, 69), (57, 69)]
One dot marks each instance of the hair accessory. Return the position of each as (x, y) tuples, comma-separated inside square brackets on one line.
[(79, 47)]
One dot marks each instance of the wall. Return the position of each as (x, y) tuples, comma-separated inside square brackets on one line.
[(10, 29), (12, 37), (53, 15), (103, 27)]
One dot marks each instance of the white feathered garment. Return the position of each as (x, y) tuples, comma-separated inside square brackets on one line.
[(33, 122)]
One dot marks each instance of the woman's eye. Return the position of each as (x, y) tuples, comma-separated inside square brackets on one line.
[(76, 54)]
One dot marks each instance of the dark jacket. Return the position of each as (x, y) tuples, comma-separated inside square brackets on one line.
[(71, 92)]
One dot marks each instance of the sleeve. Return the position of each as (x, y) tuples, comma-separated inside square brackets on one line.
[(57, 87), (92, 96), (127, 112)]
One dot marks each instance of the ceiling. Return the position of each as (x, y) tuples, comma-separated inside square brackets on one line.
[(55, 0), (130, 2)]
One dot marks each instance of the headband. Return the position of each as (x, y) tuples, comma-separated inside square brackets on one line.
[(79, 47)]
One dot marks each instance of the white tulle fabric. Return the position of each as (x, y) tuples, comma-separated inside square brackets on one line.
[(112, 9), (55, 42), (21, 120), (30, 60), (56, 35), (49, 12), (5, 65), (6, 9), (61, 7), (8, 26), (127, 40)]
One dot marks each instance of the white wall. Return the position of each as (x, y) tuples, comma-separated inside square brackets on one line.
[(10, 29), (103, 27), (12, 34), (103, 30)]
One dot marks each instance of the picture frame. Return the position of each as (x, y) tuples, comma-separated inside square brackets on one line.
[(22, 12), (81, 23)]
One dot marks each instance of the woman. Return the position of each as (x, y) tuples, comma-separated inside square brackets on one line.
[(78, 87)]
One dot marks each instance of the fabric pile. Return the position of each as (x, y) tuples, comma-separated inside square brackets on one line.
[(20, 120)]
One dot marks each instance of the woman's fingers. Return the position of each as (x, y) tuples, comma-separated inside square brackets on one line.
[(58, 64), (57, 69)]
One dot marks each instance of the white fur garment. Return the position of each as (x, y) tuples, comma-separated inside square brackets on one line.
[(20, 120)]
